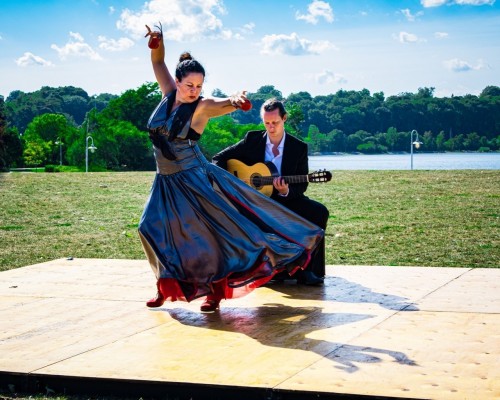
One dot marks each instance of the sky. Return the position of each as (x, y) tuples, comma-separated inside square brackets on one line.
[(317, 46)]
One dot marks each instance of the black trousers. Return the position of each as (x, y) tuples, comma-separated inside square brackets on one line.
[(318, 214)]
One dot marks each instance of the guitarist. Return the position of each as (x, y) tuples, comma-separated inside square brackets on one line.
[(289, 155)]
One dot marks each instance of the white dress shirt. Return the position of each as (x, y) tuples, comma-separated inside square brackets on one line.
[(276, 160), (269, 156)]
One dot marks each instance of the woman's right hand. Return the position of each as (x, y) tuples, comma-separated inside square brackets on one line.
[(155, 37), (162, 74)]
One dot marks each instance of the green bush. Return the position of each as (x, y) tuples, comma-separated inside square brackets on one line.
[(52, 168)]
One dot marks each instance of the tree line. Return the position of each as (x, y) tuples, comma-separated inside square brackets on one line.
[(52, 126)]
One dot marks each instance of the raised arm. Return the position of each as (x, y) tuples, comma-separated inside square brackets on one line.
[(160, 69), (215, 107)]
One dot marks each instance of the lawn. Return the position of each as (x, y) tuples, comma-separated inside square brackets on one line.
[(395, 218)]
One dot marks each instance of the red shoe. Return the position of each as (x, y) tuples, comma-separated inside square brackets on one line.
[(210, 304), (158, 300)]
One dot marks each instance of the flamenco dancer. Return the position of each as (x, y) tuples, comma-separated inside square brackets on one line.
[(205, 232)]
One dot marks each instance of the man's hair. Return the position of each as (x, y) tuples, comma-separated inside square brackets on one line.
[(273, 104)]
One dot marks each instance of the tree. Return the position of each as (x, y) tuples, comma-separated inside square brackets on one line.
[(425, 92), (352, 120), (429, 143), (493, 91), (213, 140), (123, 147), (455, 143), (314, 139), (36, 152), (387, 122), (72, 102), (11, 149), (134, 106), (354, 140), (294, 119), (49, 128), (218, 93), (440, 139), (472, 141), (391, 137), (3, 127), (337, 141), (267, 91)]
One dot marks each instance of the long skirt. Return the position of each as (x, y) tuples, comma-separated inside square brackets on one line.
[(204, 231)]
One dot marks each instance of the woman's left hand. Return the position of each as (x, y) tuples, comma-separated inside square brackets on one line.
[(238, 99)]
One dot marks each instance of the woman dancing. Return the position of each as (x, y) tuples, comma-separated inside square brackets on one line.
[(204, 231)]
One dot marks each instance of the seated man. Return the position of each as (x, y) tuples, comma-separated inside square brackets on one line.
[(289, 155)]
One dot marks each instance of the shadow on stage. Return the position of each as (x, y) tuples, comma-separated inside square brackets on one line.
[(310, 327)]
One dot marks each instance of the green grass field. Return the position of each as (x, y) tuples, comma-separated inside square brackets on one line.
[(396, 218)]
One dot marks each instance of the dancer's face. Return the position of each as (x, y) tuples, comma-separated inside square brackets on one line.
[(189, 89)]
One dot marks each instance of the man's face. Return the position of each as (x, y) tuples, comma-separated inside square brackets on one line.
[(275, 125)]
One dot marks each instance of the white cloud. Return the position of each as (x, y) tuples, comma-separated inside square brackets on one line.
[(475, 2), (433, 3), (409, 16), (441, 35), (248, 28), (330, 77), (438, 3), (316, 10), (292, 45), (111, 10), (76, 47), (457, 65), (115, 45), (77, 36), (28, 59), (405, 37), (181, 19)]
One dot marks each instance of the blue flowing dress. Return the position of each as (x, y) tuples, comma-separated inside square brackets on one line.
[(204, 231)]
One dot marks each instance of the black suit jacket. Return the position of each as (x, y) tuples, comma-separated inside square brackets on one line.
[(252, 150)]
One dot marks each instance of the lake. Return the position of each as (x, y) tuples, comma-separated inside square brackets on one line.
[(428, 161)]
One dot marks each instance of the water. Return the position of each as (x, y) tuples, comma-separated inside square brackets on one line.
[(428, 161)]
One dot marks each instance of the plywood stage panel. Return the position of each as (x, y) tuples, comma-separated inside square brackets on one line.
[(370, 331)]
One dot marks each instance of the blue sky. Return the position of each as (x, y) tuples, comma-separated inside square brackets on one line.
[(389, 46)]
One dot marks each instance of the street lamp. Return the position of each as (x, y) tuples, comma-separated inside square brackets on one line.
[(92, 148), (415, 143), (60, 143)]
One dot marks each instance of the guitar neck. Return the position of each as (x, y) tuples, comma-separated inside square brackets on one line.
[(268, 180)]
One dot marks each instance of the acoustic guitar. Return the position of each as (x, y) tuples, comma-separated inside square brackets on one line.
[(260, 175)]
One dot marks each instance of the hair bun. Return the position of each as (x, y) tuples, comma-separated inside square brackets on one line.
[(185, 56)]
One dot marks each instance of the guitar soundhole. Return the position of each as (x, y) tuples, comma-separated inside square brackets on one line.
[(256, 181)]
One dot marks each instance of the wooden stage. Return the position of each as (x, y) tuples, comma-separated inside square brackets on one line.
[(81, 326)]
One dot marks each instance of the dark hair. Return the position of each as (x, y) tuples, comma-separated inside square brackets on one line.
[(186, 65), (273, 104)]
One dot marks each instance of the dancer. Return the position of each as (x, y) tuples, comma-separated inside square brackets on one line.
[(204, 231)]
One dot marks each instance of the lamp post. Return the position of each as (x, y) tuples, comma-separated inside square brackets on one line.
[(92, 148), (415, 143), (60, 143)]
